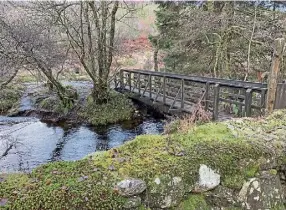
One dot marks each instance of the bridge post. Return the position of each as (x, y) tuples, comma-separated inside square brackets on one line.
[(121, 79), (164, 89), (207, 96), (182, 93), (263, 99), (150, 85), (139, 83), (129, 81), (216, 101), (248, 102)]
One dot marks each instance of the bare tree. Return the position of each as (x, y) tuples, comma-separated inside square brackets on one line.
[(27, 40)]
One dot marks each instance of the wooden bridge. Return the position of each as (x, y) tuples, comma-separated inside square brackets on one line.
[(175, 93)]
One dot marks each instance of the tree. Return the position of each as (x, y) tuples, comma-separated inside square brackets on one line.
[(90, 31), (223, 39), (26, 40)]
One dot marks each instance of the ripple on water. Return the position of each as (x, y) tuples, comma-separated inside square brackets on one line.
[(36, 142)]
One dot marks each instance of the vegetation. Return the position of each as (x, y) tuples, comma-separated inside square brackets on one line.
[(117, 108), (222, 39), (89, 183), (9, 97)]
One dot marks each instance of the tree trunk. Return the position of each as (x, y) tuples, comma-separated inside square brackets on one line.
[(272, 81), (9, 80), (155, 57)]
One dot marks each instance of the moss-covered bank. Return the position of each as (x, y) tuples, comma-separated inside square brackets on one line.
[(228, 148), (117, 108), (9, 97)]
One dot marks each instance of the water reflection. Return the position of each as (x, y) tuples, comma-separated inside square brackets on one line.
[(38, 142)]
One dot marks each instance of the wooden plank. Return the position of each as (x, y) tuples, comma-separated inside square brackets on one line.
[(206, 99), (182, 93), (216, 101), (129, 80), (248, 102), (150, 85), (121, 79), (164, 90)]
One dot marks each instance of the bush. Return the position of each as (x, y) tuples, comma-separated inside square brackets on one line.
[(118, 108), (9, 98)]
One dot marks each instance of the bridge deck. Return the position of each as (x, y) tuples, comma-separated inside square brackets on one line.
[(179, 93)]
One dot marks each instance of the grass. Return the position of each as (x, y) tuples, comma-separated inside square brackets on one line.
[(89, 183)]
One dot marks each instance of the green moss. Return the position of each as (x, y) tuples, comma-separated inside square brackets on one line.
[(194, 202), (251, 170), (53, 104), (10, 97), (233, 181), (117, 108), (273, 172), (89, 183)]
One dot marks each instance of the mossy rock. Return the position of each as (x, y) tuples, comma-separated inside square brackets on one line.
[(10, 97), (90, 183), (117, 108)]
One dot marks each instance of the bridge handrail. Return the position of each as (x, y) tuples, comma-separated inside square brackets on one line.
[(221, 82)]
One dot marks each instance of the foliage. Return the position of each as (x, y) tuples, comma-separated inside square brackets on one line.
[(227, 39), (187, 122), (9, 97), (117, 108)]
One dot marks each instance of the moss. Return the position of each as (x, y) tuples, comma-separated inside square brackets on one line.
[(10, 97), (251, 171), (273, 172), (233, 181), (194, 202), (89, 183), (117, 108)]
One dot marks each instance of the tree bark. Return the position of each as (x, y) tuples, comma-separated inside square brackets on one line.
[(272, 81), (9, 80)]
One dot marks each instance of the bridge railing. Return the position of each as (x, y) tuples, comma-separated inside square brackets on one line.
[(181, 92)]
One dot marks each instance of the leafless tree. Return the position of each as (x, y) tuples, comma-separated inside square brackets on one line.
[(90, 28), (28, 40)]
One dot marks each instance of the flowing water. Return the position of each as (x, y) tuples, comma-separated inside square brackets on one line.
[(26, 142), (34, 142)]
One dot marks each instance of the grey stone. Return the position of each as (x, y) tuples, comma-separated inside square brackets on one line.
[(3, 201), (208, 179), (263, 192), (221, 197), (131, 187), (165, 192), (132, 202)]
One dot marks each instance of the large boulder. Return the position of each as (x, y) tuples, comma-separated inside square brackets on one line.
[(208, 179), (165, 192), (263, 192), (131, 187)]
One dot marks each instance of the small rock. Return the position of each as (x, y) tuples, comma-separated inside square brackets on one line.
[(120, 160), (131, 187), (111, 168), (3, 201), (2, 179), (80, 179), (208, 179), (132, 202)]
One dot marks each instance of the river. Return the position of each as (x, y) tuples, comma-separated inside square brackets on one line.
[(27, 142)]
